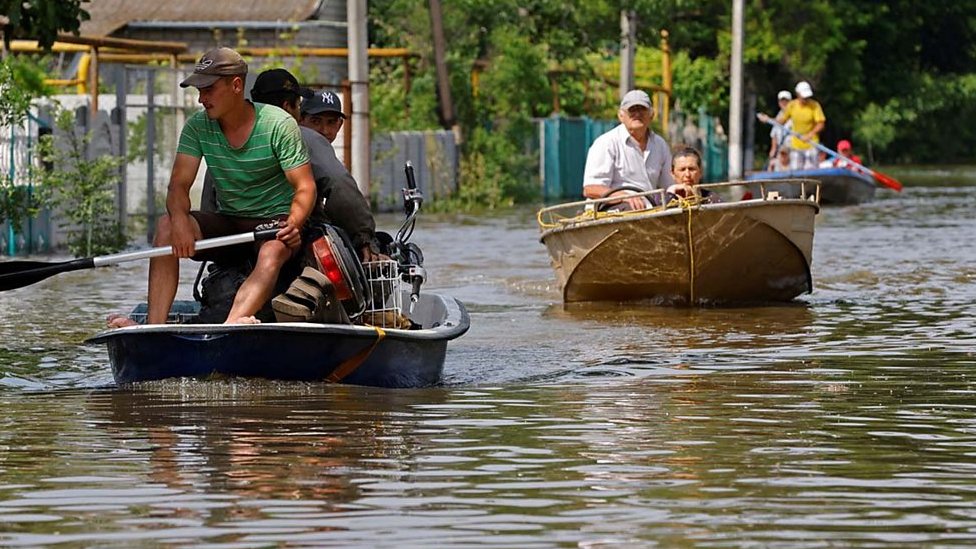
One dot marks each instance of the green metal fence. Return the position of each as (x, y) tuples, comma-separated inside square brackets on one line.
[(18, 150), (563, 150)]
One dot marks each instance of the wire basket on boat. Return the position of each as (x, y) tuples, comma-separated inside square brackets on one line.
[(385, 305)]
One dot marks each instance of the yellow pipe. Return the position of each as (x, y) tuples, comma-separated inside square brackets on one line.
[(63, 82), (323, 52), (83, 65), (31, 46)]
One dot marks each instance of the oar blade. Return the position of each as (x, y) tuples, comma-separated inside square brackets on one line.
[(887, 181), (17, 274), (14, 267)]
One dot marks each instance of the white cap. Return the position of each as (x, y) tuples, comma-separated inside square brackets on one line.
[(783, 94), (803, 89), (635, 97)]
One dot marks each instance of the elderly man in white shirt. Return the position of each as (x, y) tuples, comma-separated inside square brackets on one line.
[(629, 158)]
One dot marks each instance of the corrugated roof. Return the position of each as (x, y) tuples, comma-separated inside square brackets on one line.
[(108, 16)]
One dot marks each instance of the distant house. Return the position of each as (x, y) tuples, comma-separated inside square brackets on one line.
[(205, 24)]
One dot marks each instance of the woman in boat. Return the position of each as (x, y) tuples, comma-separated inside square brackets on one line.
[(628, 159), (686, 169)]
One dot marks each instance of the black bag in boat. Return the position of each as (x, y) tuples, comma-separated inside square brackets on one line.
[(216, 290)]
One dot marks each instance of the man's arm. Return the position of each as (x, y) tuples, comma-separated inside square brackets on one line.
[(183, 230), (301, 180), (598, 170), (815, 131)]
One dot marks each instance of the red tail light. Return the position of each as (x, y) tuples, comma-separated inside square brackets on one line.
[(329, 265)]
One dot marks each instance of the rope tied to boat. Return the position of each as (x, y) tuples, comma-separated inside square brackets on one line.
[(687, 205), (352, 363)]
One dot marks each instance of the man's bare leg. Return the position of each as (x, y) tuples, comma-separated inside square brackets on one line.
[(164, 274), (257, 288)]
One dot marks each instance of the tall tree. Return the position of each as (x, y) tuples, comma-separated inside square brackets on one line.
[(41, 20)]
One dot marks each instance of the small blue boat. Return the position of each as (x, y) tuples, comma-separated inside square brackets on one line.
[(838, 186), (358, 332), (292, 351)]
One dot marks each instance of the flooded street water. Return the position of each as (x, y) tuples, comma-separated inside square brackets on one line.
[(845, 419)]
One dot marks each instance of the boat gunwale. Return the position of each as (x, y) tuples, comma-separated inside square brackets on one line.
[(456, 323), (659, 211), (811, 174), (572, 224)]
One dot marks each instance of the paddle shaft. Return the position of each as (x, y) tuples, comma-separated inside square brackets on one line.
[(207, 244), (17, 274), (883, 179)]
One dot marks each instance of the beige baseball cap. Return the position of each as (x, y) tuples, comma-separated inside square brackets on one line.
[(213, 65)]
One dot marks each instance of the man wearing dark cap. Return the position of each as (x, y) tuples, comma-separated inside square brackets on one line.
[(261, 171), (322, 111), (630, 158), (321, 119)]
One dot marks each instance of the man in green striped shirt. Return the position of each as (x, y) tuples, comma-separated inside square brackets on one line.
[(262, 174)]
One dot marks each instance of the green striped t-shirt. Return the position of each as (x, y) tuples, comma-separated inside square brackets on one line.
[(250, 180)]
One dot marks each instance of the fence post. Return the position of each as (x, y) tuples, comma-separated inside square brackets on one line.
[(119, 117), (150, 154), (11, 242)]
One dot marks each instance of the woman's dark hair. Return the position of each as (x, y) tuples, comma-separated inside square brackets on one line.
[(683, 151)]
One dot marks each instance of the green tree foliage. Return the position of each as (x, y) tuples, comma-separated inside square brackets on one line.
[(21, 82), (83, 187), (41, 20), (896, 75)]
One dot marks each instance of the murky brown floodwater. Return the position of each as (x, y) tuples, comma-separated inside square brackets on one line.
[(845, 420)]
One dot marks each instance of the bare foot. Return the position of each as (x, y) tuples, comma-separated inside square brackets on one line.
[(243, 320), (119, 321)]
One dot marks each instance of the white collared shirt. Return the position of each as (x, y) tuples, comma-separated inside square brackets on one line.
[(616, 159)]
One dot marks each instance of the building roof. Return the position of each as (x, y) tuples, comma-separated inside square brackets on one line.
[(108, 16)]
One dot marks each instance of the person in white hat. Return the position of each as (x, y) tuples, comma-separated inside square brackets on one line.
[(630, 158), (778, 136), (808, 121)]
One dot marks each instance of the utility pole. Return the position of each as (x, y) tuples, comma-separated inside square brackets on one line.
[(359, 84), (448, 119), (735, 97), (628, 49)]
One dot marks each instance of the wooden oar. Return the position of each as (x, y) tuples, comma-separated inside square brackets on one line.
[(881, 178), (17, 274)]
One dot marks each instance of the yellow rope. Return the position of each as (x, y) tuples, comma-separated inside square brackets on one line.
[(352, 363), (556, 220), (687, 204)]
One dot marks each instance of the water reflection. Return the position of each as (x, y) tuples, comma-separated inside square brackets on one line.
[(844, 420), (853, 450)]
